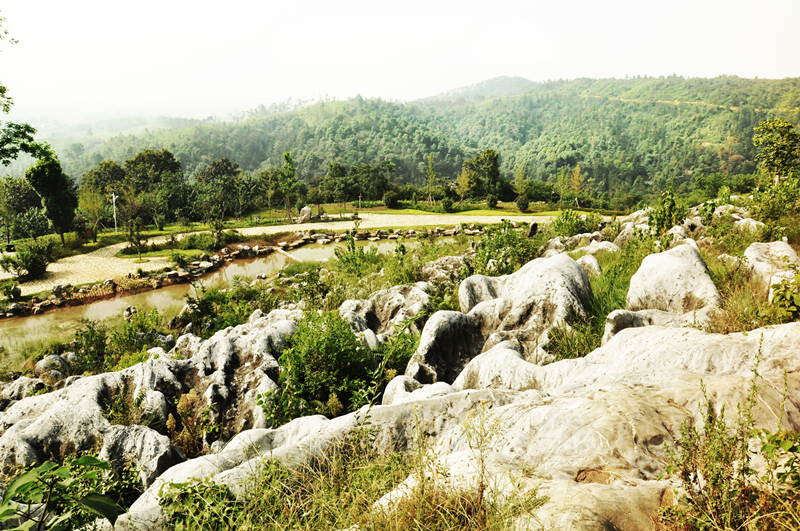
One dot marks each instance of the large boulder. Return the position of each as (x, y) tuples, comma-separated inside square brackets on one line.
[(305, 214), (675, 281), (524, 306), (385, 309), (770, 261), (448, 341)]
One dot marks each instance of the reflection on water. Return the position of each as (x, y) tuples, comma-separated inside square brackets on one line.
[(168, 300)]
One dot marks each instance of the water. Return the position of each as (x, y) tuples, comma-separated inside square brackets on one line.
[(61, 323)]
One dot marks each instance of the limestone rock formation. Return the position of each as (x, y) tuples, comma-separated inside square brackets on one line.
[(525, 305), (675, 281)]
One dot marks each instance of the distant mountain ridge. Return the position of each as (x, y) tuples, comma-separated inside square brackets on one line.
[(491, 88), (624, 133)]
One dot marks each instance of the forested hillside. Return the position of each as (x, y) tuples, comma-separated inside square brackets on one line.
[(626, 134)]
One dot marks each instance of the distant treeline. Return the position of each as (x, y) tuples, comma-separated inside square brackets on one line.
[(631, 137)]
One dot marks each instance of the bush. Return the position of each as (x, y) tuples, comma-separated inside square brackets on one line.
[(504, 250), (491, 201), (522, 203), (30, 262), (569, 223), (211, 310), (391, 199), (326, 370), (447, 204), (666, 214), (720, 488)]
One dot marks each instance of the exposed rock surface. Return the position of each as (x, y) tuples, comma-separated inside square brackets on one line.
[(590, 264), (385, 309), (770, 261), (228, 371), (675, 281), (595, 428), (544, 293)]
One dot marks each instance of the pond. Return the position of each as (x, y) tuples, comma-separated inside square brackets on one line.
[(60, 324)]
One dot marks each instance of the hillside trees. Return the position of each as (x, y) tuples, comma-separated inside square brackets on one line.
[(57, 190), (780, 147)]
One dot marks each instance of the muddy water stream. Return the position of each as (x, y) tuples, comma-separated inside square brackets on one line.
[(62, 322)]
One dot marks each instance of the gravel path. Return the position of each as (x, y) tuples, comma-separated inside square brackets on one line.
[(103, 264)]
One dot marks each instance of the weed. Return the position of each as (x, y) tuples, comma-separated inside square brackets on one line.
[(721, 490)]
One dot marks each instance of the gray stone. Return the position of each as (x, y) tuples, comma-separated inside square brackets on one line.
[(590, 264), (51, 362), (675, 281), (448, 341)]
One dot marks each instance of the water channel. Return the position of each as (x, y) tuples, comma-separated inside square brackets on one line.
[(61, 323)]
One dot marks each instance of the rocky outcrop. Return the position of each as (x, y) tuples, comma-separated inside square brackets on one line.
[(228, 371), (525, 305), (770, 261), (385, 310), (596, 429), (448, 341), (676, 281)]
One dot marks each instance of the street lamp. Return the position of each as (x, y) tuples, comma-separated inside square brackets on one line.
[(114, 198)]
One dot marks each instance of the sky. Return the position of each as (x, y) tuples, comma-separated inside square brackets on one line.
[(86, 59)]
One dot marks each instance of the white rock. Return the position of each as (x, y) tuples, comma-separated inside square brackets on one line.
[(676, 281)]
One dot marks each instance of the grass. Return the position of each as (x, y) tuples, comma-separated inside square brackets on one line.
[(338, 490), (609, 291)]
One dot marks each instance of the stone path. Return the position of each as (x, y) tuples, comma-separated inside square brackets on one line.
[(102, 263)]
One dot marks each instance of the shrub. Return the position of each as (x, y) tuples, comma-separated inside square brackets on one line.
[(391, 199), (447, 204), (57, 497), (720, 488), (569, 223), (211, 310), (491, 201), (522, 203), (666, 214), (31, 259), (504, 250), (325, 371)]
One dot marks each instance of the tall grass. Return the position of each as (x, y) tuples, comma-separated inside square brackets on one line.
[(609, 291)]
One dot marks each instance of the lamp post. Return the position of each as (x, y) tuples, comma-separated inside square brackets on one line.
[(114, 198)]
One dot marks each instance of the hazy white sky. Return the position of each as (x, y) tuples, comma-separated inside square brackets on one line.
[(198, 58)]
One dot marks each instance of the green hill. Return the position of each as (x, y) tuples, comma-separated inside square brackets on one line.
[(623, 132)]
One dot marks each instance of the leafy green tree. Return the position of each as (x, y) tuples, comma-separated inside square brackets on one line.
[(106, 178), (14, 137), (92, 203), (57, 191), (16, 197), (217, 185), (431, 175), (135, 235), (286, 180), (483, 173), (780, 147), (148, 168), (462, 185), (31, 224)]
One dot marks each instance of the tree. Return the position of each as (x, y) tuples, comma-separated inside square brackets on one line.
[(577, 183), (93, 204), (780, 147), (57, 191), (135, 237), (431, 175), (483, 173), (16, 197), (562, 184), (149, 167), (520, 185), (287, 181), (106, 178), (462, 185), (31, 224), (15, 137)]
